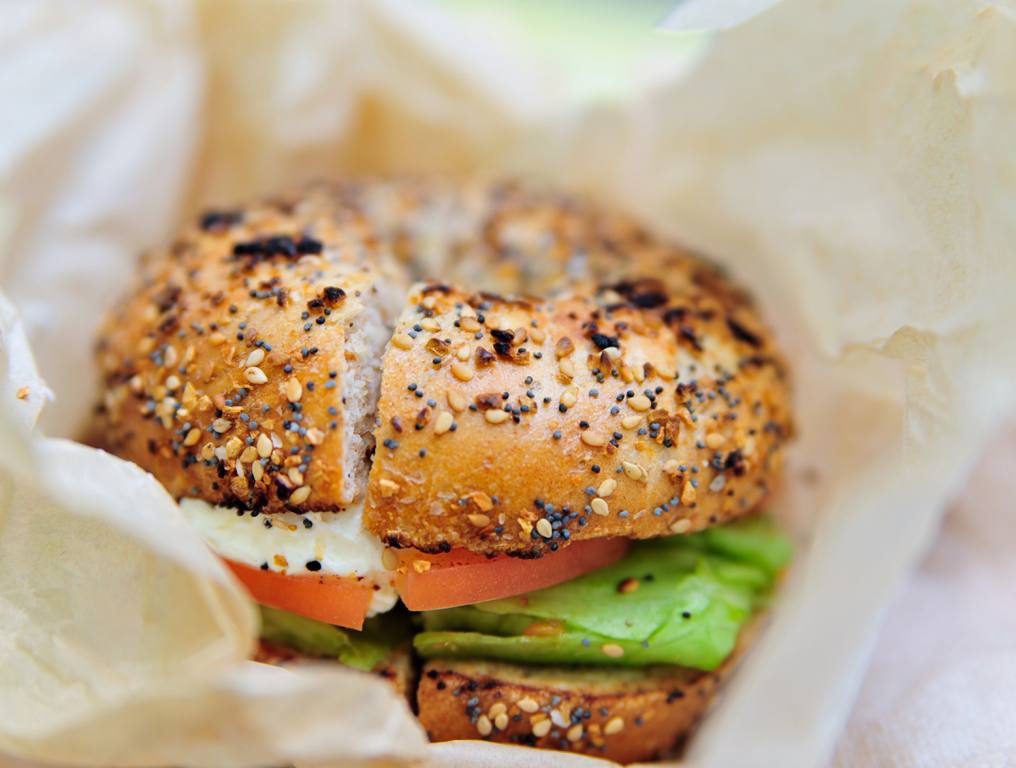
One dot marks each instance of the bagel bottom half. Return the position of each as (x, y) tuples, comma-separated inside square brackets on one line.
[(621, 714)]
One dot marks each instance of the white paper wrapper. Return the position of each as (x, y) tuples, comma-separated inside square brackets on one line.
[(853, 163)]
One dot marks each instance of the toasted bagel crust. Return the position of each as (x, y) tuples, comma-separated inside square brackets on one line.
[(640, 409), (181, 401), (622, 715)]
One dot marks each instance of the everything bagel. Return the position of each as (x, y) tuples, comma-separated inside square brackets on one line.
[(463, 392)]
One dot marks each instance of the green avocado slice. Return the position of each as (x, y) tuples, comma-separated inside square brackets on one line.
[(681, 600), (364, 650)]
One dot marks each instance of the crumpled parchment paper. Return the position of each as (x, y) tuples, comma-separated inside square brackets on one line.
[(853, 162), (940, 688)]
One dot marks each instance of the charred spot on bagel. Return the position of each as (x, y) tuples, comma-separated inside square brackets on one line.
[(487, 400), (166, 297), (763, 361), (687, 332), (484, 358), (675, 315), (742, 333), (435, 288), (328, 297), (603, 341), (218, 221)]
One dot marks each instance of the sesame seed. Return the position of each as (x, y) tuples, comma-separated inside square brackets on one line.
[(640, 403), (593, 439), (233, 447), (542, 728), (315, 436), (688, 493), (443, 422), (567, 368), (496, 417), (614, 725), (254, 358), (570, 396), (497, 709), (680, 526), (264, 446), (483, 725), (222, 425), (575, 732), (544, 528), (457, 401), (635, 471), (192, 437), (528, 705), (402, 341), (255, 375), (600, 507), (294, 390), (630, 422), (501, 721), (461, 372), (300, 495), (479, 520), (607, 487), (482, 500), (715, 440), (613, 650)]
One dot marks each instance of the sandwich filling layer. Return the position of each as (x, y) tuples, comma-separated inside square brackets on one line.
[(680, 601)]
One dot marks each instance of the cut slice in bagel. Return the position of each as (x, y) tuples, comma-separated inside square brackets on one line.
[(517, 425)]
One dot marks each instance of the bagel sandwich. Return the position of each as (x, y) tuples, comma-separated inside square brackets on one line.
[(549, 433)]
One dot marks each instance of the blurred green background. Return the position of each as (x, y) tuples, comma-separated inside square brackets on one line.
[(602, 47)]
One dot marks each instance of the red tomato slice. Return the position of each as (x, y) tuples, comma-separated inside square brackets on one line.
[(339, 600), (427, 582)]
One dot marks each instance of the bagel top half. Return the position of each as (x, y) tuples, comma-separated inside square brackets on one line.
[(246, 367)]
